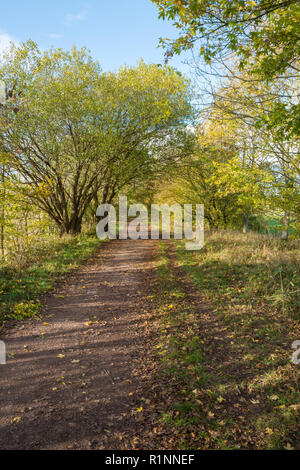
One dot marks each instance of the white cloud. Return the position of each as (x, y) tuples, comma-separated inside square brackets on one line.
[(79, 17), (5, 42)]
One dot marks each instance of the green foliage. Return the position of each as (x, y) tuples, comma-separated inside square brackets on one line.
[(251, 287), (21, 285), (240, 166), (260, 37), (225, 345), (263, 34), (228, 185), (269, 152), (75, 134)]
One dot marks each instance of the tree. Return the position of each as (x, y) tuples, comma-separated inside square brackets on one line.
[(195, 181), (263, 30), (260, 37), (270, 151)]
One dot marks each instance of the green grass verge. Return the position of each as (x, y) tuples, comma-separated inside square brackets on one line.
[(181, 355), (226, 358), (20, 288)]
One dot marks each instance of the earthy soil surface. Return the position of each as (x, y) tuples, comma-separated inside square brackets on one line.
[(69, 381)]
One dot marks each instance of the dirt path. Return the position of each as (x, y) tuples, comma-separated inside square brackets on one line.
[(69, 381)]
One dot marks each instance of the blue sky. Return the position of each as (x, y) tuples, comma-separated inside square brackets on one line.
[(116, 31)]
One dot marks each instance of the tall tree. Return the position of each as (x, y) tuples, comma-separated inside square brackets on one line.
[(73, 131), (261, 37)]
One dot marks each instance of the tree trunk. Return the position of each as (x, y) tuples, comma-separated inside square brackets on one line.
[(2, 243), (75, 227), (72, 227), (2, 235), (246, 223)]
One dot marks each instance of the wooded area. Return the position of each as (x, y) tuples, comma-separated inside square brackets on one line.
[(73, 137)]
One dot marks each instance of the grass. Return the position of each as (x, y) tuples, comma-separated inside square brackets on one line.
[(181, 355), (21, 286), (231, 361), (254, 270)]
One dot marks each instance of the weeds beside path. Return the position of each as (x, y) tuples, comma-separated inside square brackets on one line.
[(70, 381), (22, 284)]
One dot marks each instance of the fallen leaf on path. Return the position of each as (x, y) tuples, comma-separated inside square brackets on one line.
[(289, 447)]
